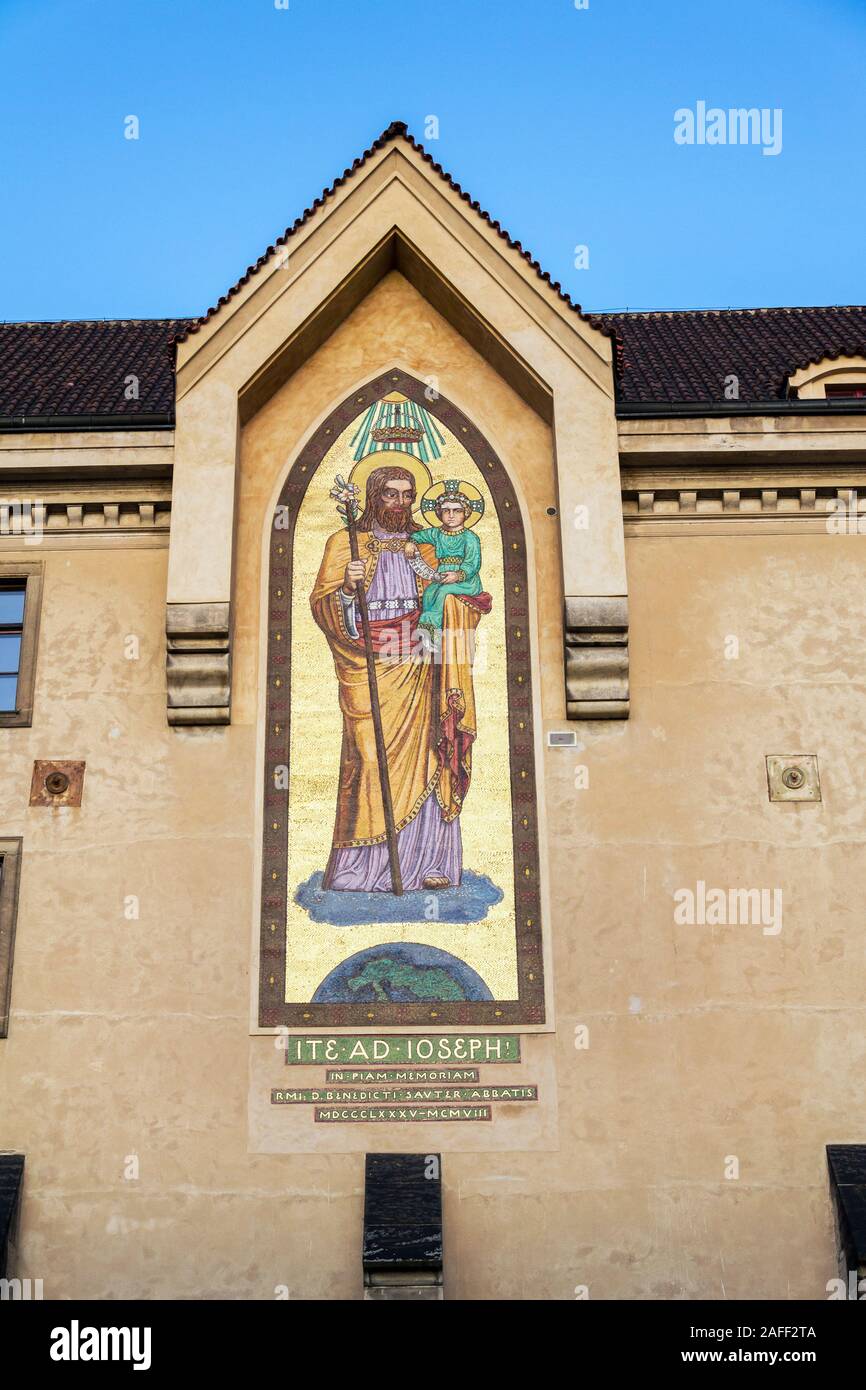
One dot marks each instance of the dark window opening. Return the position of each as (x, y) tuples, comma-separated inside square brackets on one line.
[(852, 390), (847, 1165), (11, 1175)]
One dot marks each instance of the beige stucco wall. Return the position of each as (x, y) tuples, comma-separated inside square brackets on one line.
[(131, 1037)]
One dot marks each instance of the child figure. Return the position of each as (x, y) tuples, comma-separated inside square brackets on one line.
[(458, 551)]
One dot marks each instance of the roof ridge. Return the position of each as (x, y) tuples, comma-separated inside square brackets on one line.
[(91, 323), (396, 130), (755, 309)]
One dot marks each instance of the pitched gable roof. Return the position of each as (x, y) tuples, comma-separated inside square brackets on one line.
[(71, 372), (397, 130)]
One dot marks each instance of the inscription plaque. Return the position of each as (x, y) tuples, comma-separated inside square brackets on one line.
[(380, 1114), (379, 1076), (303, 1050), (344, 1095)]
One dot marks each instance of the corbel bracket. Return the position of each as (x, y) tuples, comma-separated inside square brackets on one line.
[(198, 663), (596, 658)]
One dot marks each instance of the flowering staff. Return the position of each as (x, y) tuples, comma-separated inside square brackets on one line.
[(346, 496)]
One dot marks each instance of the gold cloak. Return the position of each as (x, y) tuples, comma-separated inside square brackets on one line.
[(416, 768)]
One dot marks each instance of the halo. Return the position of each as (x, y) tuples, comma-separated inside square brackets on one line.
[(433, 494), (397, 459)]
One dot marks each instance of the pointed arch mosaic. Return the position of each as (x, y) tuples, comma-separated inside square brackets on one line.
[(401, 864)]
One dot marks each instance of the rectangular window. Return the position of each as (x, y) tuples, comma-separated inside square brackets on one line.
[(10, 863), (20, 594), (12, 593)]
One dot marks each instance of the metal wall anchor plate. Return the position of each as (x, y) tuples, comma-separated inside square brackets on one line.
[(57, 783), (793, 777)]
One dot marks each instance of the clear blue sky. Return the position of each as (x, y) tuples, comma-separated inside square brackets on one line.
[(559, 121)]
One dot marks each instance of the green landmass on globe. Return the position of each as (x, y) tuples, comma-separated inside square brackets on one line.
[(428, 982)]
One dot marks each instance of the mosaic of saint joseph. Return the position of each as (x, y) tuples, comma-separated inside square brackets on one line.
[(426, 697)]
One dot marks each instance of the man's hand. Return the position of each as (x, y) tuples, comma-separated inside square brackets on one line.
[(449, 577), (353, 575)]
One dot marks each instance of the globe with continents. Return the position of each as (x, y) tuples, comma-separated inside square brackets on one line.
[(401, 973)]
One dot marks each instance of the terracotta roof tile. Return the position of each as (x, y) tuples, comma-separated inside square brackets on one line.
[(81, 368), (678, 357), (684, 355)]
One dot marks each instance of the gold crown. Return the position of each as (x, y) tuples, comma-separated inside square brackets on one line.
[(397, 434)]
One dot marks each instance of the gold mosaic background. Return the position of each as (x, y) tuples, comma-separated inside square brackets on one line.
[(313, 949)]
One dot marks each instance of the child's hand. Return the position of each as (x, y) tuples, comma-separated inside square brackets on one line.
[(410, 549)]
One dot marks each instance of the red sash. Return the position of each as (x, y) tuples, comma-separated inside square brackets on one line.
[(396, 635)]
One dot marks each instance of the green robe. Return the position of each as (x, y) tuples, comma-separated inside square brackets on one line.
[(459, 550)]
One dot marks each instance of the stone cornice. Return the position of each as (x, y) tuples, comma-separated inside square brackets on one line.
[(39, 512), (740, 498)]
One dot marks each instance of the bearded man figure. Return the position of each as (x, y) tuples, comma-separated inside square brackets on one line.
[(427, 736)]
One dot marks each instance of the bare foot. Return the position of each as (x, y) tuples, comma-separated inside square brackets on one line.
[(437, 881)]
